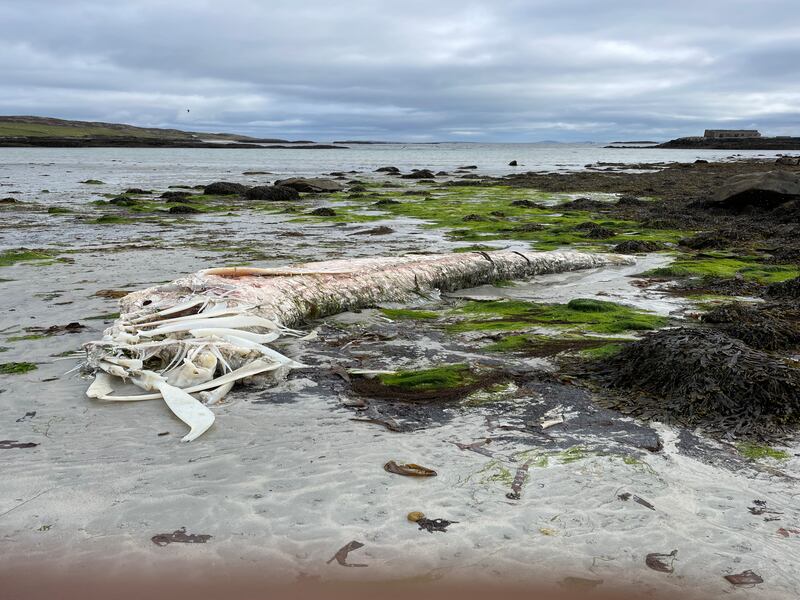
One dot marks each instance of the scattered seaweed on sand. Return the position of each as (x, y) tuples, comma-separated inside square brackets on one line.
[(703, 377), (16, 368)]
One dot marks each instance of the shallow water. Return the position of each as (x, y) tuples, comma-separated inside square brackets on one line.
[(285, 477)]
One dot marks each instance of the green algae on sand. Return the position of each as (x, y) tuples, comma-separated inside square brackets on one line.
[(16, 368)]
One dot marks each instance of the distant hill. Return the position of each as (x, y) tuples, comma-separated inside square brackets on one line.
[(26, 131)]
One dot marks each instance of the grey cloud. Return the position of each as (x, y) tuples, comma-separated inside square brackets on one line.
[(505, 70)]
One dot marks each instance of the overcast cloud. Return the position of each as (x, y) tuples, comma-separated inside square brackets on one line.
[(410, 70)]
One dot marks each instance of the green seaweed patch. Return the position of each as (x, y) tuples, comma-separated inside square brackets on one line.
[(479, 214), (21, 338), (10, 257), (438, 378), (4, 348), (402, 314), (585, 314), (546, 345), (16, 368), (92, 182), (58, 210), (758, 452), (725, 267)]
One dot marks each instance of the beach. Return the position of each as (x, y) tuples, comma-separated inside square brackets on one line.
[(292, 472)]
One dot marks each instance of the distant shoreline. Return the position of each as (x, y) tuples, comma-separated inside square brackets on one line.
[(138, 142)]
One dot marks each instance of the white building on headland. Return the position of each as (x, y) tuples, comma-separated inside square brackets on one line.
[(731, 133)]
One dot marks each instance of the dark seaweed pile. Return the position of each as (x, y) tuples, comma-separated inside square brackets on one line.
[(761, 327), (702, 376)]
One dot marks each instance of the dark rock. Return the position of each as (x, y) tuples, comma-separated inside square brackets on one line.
[(637, 246), (316, 184), (419, 174), (8, 200), (792, 161), (272, 193), (474, 217), (469, 167), (224, 188), (386, 202), (184, 209), (323, 212), (527, 204), (761, 191), (256, 173), (394, 170), (513, 163), (382, 230), (358, 188), (701, 161), (175, 195), (442, 174), (137, 191)]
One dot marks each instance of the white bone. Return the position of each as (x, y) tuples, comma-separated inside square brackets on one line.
[(188, 409), (261, 338), (249, 370), (235, 322), (101, 385), (216, 395)]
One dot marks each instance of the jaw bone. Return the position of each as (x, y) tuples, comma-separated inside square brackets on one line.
[(205, 332)]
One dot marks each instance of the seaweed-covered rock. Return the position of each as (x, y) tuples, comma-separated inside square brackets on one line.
[(701, 376), (637, 246), (323, 211), (272, 193), (595, 231), (179, 196), (785, 289), (137, 191), (584, 204), (761, 327), (630, 201), (419, 174), (316, 184), (393, 170), (527, 204), (184, 209), (123, 201), (224, 188)]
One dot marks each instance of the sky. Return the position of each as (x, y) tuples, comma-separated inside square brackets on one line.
[(435, 70)]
